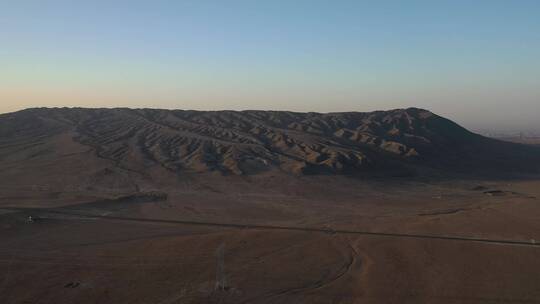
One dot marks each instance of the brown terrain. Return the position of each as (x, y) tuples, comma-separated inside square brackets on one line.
[(529, 140), (159, 206)]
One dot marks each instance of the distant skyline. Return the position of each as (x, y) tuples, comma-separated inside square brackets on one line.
[(475, 62)]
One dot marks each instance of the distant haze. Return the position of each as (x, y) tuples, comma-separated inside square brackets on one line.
[(476, 62)]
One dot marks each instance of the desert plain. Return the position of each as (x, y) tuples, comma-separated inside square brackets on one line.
[(81, 223)]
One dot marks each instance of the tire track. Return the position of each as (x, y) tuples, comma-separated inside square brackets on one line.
[(324, 281)]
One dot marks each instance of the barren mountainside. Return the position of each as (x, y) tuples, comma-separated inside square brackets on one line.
[(252, 142)]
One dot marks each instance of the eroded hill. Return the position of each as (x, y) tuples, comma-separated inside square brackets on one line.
[(252, 142)]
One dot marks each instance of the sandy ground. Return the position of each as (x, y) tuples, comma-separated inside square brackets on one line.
[(81, 249)]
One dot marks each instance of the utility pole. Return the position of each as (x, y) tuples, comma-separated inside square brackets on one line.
[(221, 278)]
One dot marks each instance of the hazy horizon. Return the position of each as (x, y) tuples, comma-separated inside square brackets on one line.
[(475, 63)]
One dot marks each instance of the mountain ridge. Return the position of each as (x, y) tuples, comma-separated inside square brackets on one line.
[(252, 142)]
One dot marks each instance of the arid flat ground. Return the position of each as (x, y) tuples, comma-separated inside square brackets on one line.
[(155, 206), (293, 240)]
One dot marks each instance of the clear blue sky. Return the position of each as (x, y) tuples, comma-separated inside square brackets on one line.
[(476, 62)]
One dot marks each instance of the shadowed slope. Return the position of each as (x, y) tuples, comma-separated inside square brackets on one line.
[(251, 142)]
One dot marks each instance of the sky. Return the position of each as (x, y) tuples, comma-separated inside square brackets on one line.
[(475, 62)]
